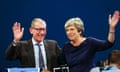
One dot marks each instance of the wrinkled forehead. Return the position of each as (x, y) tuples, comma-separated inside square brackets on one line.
[(39, 24)]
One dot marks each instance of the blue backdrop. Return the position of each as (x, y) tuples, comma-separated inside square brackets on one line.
[(93, 12)]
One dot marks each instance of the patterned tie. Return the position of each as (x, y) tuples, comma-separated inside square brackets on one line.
[(41, 61)]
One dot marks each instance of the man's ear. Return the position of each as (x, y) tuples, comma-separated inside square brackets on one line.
[(30, 29)]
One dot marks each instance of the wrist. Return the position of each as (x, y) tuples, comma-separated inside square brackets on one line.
[(15, 41), (112, 32), (14, 44)]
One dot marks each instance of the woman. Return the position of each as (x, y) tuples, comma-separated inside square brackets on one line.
[(79, 52)]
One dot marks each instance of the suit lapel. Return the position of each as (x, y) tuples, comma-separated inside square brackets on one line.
[(31, 50), (47, 51)]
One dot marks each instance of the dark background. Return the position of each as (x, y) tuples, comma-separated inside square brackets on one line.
[(94, 13)]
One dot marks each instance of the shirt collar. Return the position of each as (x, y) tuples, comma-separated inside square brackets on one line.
[(110, 68), (34, 42)]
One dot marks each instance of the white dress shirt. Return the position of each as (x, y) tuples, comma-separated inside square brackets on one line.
[(36, 53)]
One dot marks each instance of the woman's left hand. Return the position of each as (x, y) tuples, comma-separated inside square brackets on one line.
[(113, 20)]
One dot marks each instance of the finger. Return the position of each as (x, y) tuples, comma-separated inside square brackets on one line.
[(116, 15), (18, 26), (116, 12), (22, 30), (14, 25), (109, 18)]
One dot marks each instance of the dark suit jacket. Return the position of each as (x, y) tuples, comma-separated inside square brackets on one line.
[(25, 53)]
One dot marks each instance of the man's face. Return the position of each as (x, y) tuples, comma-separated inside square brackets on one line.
[(38, 31), (72, 32)]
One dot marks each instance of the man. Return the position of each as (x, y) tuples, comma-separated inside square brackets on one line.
[(113, 63), (28, 51)]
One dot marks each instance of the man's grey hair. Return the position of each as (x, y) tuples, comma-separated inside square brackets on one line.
[(37, 20)]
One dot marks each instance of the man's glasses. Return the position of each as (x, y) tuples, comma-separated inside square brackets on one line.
[(39, 29)]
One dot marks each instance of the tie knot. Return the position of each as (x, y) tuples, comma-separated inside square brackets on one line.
[(38, 44)]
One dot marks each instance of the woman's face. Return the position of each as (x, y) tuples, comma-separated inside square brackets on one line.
[(72, 32)]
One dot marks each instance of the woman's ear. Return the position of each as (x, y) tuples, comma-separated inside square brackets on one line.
[(80, 32)]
